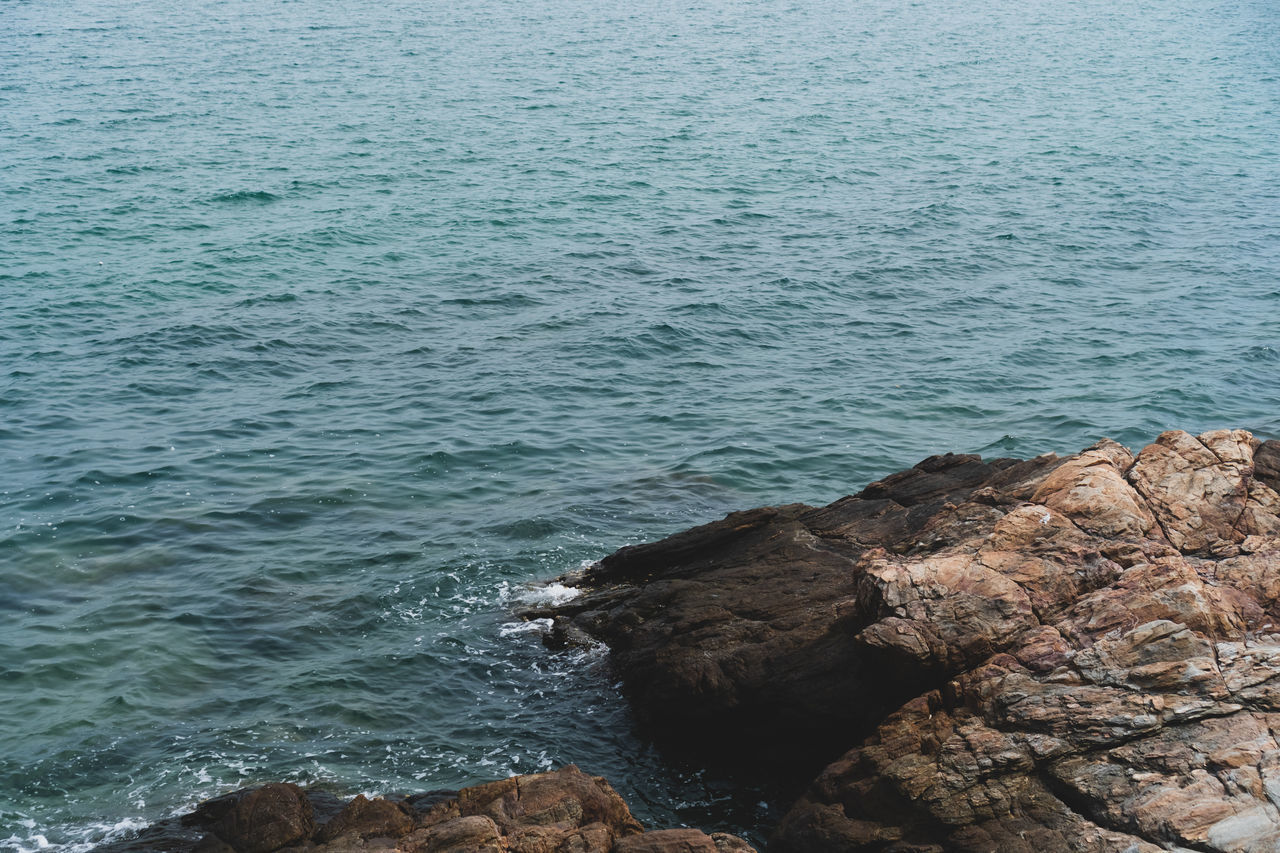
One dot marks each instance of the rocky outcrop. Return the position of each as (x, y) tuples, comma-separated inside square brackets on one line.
[(565, 811), (1072, 653)]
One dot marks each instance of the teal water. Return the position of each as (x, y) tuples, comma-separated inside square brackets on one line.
[(327, 328)]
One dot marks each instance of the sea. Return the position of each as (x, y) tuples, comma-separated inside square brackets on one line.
[(331, 331)]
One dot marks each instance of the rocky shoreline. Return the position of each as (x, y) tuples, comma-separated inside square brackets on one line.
[(1066, 653), (564, 811)]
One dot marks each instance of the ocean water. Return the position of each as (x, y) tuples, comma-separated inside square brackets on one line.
[(327, 329)]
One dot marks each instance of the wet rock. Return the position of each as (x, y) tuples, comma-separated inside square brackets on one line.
[(364, 818), (565, 811), (265, 819)]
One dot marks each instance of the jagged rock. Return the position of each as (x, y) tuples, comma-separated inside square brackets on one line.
[(471, 834), (567, 799), (668, 841), (565, 811), (364, 818), (1075, 654), (1203, 491), (264, 819)]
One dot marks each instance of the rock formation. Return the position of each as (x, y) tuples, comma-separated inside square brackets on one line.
[(566, 811), (1056, 654)]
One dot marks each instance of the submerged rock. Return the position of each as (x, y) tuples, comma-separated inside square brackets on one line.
[(566, 811), (1074, 653)]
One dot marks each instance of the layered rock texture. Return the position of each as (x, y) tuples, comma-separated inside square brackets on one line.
[(562, 812), (1072, 653)]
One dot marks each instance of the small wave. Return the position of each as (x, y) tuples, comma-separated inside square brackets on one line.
[(502, 300), (533, 626), (1262, 352), (246, 197), (268, 298), (553, 594), (80, 838)]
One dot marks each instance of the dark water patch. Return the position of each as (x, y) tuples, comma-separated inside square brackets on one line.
[(1263, 353), (245, 197), (179, 338), (268, 299)]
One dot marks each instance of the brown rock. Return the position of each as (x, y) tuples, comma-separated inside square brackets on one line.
[(1203, 492), (265, 819), (726, 843), (592, 838), (364, 818), (927, 610), (1057, 655), (564, 799), (471, 834), (668, 841), (1090, 488), (565, 811), (1266, 464)]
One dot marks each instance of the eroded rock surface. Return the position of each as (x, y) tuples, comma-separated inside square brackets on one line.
[(1054, 654), (566, 811)]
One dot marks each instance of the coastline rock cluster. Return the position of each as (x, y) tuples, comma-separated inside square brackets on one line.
[(1077, 653), (1055, 654), (565, 811)]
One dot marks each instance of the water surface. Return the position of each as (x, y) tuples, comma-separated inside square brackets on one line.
[(325, 328)]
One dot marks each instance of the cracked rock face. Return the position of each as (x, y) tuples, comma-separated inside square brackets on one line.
[(1054, 654)]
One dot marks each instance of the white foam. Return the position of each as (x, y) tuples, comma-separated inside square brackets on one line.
[(129, 824), (86, 837), (533, 626), (25, 845), (553, 594)]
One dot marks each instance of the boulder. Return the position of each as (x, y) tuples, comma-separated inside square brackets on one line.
[(565, 800), (471, 834), (364, 818), (264, 819)]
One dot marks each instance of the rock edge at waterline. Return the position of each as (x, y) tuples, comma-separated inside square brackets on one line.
[(1075, 654), (565, 811)]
